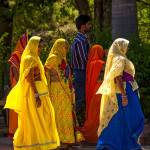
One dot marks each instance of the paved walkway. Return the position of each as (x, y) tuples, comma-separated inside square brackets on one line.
[(5, 144)]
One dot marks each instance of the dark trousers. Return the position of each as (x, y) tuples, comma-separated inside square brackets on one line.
[(80, 80)]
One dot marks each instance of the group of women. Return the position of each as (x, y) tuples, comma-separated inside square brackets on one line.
[(43, 100)]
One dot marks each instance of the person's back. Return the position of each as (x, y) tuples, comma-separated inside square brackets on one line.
[(79, 56), (80, 49)]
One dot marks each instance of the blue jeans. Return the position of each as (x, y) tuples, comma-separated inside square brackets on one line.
[(80, 80)]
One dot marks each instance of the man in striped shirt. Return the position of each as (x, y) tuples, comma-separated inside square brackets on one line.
[(80, 49)]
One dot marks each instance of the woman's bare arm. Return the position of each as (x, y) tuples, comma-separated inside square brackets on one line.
[(16, 73), (101, 75), (30, 79), (119, 83)]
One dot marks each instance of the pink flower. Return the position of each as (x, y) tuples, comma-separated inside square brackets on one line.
[(115, 42)]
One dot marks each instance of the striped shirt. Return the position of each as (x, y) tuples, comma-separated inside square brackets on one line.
[(80, 49)]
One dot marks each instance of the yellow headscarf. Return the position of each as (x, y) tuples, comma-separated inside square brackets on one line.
[(117, 62), (57, 61), (30, 59)]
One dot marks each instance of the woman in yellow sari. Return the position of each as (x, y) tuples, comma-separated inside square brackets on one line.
[(62, 94), (121, 117), (14, 61), (36, 118)]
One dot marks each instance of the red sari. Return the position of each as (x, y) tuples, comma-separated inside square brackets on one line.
[(15, 60), (93, 100)]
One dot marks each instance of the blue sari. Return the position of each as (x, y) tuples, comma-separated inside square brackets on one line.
[(125, 126)]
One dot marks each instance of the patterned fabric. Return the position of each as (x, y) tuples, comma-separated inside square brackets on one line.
[(16, 56), (126, 125), (117, 62), (37, 128), (63, 93), (80, 49), (66, 122)]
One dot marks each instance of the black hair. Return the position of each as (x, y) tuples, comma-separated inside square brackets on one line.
[(41, 40), (82, 20)]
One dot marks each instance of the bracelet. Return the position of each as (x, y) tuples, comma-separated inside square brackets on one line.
[(36, 95), (124, 96)]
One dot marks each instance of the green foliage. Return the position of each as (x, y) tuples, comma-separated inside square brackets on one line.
[(46, 50), (42, 19), (144, 20), (139, 54), (3, 62), (97, 36), (3, 48), (64, 12)]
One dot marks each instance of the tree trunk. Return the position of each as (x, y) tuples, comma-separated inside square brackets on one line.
[(124, 18), (102, 13), (98, 12), (83, 7), (107, 13)]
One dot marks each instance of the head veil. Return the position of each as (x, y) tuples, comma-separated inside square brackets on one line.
[(57, 61), (117, 62), (94, 65), (16, 56)]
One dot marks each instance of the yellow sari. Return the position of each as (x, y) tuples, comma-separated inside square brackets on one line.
[(36, 126), (62, 94)]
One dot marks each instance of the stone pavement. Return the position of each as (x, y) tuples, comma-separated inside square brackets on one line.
[(5, 144)]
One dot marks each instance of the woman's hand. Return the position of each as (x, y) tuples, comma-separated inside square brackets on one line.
[(38, 101), (124, 100)]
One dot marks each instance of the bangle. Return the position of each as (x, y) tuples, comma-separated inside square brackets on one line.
[(124, 96), (36, 95)]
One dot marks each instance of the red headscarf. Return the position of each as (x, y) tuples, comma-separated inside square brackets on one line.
[(93, 69)]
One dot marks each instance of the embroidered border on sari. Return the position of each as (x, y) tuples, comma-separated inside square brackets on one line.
[(35, 144)]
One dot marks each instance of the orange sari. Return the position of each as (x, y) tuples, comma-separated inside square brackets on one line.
[(15, 60), (93, 100)]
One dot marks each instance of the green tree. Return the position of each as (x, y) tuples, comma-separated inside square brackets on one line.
[(21, 8), (143, 7)]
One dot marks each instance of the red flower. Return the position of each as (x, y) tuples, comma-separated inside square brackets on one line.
[(59, 65), (70, 85), (108, 117), (63, 64)]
